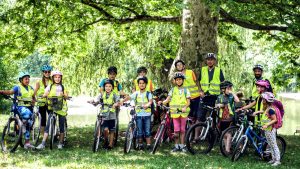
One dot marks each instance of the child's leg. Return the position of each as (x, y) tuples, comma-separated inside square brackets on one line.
[(139, 124), (61, 120), (111, 127), (271, 139), (147, 124), (176, 122), (182, 130)]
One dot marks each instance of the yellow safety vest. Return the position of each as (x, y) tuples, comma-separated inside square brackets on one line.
[(213, 87), (229, 107), (190, 84), (140, 102), (147, 87), (178, 101), (108, 102), (256, 120), (265, 119), (63, 111), (26, 96), (40, 92)]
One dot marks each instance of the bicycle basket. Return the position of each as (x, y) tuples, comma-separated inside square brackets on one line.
[(55, 103)]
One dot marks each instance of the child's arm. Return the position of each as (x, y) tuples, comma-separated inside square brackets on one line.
[(65, 94), (166, 101), (257, 112), (7, 92), (188, 102), (247, 106), (236, 99), (273, 121)]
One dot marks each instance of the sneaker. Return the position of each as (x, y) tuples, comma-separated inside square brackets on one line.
[(28, 146), (149, 147), (40, 147), (109, 147), (271, 162), (141, 147), (276, 163), (60, 146), (184, 149), (23, 128), (175, 149)]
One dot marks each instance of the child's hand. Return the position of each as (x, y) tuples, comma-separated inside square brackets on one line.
[(183, 110), (159, 102), (264, 127), (145, 106), (61, 94)]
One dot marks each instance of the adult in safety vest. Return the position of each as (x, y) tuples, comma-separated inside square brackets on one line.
[(258, 71), (210, 78), (24, 94), (190, 83), (39, 90), (142, 71)]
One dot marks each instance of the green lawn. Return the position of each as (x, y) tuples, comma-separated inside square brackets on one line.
[(78, 154)]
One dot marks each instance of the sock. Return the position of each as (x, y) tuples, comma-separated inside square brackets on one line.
[(43, 142), (177, 146)]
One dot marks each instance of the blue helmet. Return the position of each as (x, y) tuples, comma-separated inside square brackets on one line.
[(46, 68)]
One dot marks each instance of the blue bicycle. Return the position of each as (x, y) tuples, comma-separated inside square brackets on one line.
[(259, 143)]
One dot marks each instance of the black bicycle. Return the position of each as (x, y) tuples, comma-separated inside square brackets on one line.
[(131, 132)]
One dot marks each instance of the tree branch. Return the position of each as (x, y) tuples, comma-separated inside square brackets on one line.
[(255, 26), (97, 7), (122, 7)]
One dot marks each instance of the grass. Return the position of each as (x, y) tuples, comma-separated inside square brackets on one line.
[(78, 154)]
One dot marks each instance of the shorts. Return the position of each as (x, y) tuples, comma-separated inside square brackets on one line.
[(110, 124), (179, 124)]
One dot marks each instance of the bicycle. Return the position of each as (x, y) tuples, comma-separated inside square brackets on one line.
[(14, 128), (56, 104), (259, 143), (234, 132), (37, 121), (207, 136), (131, 132)]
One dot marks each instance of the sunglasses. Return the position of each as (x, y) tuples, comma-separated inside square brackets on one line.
[(47, 71)]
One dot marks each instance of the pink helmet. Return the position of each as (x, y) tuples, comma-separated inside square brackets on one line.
[(263, 83), (56, 72), (268, 96)]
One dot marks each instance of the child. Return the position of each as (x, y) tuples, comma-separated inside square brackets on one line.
[(24, 93), (142, 71), (112, 73), (179, 98), (110, 103), (143, 101), (268, 120), (56, 89), (225, 102)]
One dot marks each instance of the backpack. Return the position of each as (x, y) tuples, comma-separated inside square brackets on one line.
[(278, 124), (279, 105)]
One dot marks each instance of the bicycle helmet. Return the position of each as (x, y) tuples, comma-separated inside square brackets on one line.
[(108, 81), (142, 69), (112, 69), (258, 66), (22, 75), (211, 55), (263, 83), (46, 68), (179, 75), (142, 78), (179, 60), (56, 72), (224, 85), (268, 96)]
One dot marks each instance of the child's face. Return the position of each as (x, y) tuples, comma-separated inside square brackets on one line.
[(108, 88), (142, 73), (142, 85), (57, 78), (260, 89), (178, 81), (25, 81), (112, 76), (179, 66)]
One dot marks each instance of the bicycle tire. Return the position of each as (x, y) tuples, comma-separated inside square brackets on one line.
[(36, 128), (16, 135), (205, 145), (65, 133), (116, 131), (97, 135), (233, 130), (158, 139), (52, 132), (281, 143), (239, 149), (129, 137)]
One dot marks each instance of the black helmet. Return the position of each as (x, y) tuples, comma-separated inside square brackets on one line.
[(258, 66), (211, 55), (179, 75), (112, 69), (108, 81), (142, 78), (142, 69), (225, 84), (179, 60)]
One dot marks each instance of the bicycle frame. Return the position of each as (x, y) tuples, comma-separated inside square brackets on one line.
[(251, 135), (167, 122), (209, 122)]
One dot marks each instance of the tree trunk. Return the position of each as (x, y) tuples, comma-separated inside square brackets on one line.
[(199, 34)]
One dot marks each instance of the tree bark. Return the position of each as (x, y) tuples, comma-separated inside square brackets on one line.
[(199, 34)]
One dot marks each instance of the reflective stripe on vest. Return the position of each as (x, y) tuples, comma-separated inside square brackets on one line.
[(190, 84), (140, 102), (40, 92), (26, 96), (147, 87), (108, 103), (258, 116), (265, 119), (178, 101), (213, 87), (64, 110)]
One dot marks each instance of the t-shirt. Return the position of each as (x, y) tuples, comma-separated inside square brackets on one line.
[(116, 98), (58, 89), (271, 112), (101, 84), (211, 74), (144, 101)]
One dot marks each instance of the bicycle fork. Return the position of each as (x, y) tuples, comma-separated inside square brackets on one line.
[(204, 131)]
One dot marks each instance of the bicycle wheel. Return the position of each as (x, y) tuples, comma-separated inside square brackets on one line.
[(36, 128), (229, 136), (97, 135), (117, 131), (267, 150), (129, 138), (158, 137), (239, 149), (200, 143), (52, 132), (11, 136)]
